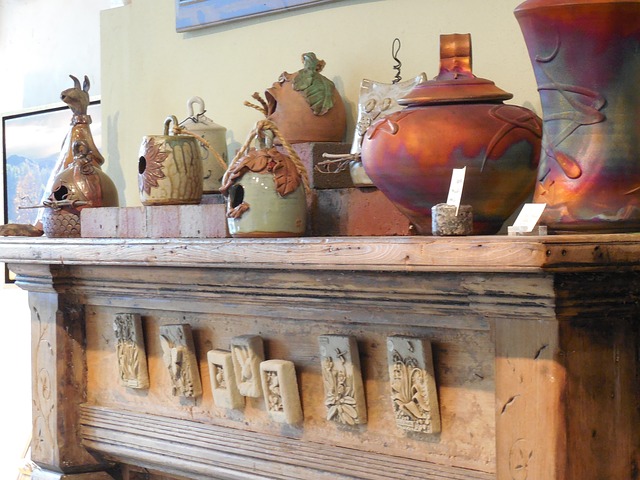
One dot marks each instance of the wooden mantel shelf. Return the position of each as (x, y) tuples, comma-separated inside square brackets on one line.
[(534, 340), (476, 253)]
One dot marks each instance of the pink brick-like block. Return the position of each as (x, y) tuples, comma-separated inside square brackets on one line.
[(356, 212), (203, 221), (163, 221), (214, 220), (132, 222), (99, 222)]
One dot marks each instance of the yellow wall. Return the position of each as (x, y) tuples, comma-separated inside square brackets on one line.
[(149, 71)]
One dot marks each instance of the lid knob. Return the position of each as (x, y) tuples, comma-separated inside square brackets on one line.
[(455, 55)]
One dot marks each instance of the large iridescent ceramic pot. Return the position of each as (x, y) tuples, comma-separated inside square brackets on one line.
[(456, 120), (586, 59)]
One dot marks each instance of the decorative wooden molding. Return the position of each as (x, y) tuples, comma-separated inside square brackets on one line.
[(408, 254), (48, 475), (168, 444)]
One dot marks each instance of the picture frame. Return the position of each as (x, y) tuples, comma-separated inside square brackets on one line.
[(194, 14), (31, 143)]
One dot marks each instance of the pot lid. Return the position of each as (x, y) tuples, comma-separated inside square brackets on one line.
[(199, 122), (455, 83)]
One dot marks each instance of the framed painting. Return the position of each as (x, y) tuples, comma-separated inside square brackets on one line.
[(192, 14)]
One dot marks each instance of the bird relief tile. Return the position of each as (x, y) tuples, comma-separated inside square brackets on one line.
[(413, 387), (247, 351)]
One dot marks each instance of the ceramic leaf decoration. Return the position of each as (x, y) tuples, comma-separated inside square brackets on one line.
[(317, 88), (153, 172), (284, 171), (266, 188), (255, 161), (285, 174), (304, 105)]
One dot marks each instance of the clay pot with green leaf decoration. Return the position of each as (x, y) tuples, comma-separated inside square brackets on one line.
[(305, 105), (266, 188), (170, 168)]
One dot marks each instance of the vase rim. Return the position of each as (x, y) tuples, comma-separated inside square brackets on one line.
[(538, 4)]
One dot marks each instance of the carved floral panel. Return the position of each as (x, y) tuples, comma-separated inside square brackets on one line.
[(413, 387), (130, 351), (342, 379)]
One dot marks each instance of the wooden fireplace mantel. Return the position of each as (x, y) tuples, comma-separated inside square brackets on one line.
[(534, 339)]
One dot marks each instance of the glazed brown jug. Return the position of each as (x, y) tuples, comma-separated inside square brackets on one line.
[(456, 120)]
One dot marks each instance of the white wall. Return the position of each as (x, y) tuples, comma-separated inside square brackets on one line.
[(41, 43), (149, 71), (15, 411)]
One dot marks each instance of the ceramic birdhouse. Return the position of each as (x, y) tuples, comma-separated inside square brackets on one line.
[(212, 141), (265, 188), (82, 184), (305, 105), (170, 168), (78, 100)]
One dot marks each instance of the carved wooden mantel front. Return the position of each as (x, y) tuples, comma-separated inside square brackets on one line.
[(533, 340)]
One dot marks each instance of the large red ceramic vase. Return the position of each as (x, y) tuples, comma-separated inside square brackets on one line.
[(456, 120), (586, 59)]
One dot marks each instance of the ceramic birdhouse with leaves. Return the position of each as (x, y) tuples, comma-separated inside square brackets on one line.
[(265, 188), (305, 105)]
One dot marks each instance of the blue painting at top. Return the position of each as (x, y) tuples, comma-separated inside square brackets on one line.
[(192, 14)]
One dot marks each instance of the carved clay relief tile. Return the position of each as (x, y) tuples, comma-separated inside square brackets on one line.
[(223, 380), (342, 379), (280, 390), (178, 355), (247, 351), (413, 386), (132, 358)]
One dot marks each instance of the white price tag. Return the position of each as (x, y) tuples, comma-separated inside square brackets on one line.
[(528, 217), (455, 189)]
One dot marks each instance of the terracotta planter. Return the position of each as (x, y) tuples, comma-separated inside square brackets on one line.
[(585, 56), (456, 120)]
